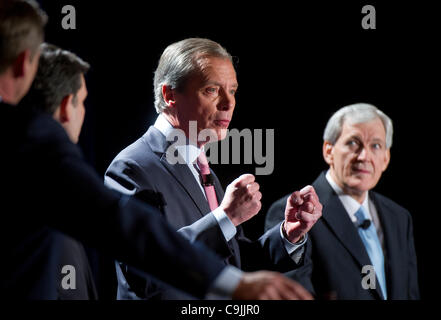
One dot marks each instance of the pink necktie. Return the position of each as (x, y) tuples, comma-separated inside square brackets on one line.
[(207, 181)]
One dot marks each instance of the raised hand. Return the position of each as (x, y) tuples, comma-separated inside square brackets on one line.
[(242, 199), (302, 211)]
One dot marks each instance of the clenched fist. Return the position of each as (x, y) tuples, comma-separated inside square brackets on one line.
[(242, 199), (302, 211)]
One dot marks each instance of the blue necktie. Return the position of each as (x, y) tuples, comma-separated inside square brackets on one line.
[(373, 247)]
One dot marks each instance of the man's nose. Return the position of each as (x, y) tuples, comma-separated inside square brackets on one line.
[(363, 155)]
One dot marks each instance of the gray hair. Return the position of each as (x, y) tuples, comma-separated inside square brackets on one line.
[(180, 60), (356, 113)]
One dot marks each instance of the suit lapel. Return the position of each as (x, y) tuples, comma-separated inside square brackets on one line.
[(342, 226), (180, 172)]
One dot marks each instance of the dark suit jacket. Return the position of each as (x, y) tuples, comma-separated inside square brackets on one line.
[(143, 170), (338, 254), (71, 252), (47, 185)]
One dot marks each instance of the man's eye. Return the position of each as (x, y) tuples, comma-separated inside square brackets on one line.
[(376, 146), (211, 90)]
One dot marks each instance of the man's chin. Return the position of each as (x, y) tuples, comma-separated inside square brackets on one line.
[(360, 185)]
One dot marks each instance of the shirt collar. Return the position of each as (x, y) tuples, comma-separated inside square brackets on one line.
[(187, 151), (350, 204)]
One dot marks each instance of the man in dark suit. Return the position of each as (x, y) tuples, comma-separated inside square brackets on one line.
[(195, 85), (48, 187), (59, 90), (354, 256)]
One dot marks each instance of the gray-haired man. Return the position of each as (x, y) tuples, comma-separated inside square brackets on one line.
[(195, 83), (363, 247)]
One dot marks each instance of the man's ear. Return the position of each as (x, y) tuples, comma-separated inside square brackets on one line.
[(169, 95), (21, 63), (65, 110), (386, 159), (327, 152)]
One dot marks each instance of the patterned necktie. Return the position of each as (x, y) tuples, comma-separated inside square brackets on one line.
[(207, 181), (373, 247)]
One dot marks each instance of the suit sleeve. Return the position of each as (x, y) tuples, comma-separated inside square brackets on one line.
[(301, 271), (207, 230), (303, 274), (128, 177), (120, 226)]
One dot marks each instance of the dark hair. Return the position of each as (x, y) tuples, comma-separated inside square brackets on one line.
[(21, 27), (59, 75)]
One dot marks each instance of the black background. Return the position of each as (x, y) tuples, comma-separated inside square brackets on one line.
[(296, 65)]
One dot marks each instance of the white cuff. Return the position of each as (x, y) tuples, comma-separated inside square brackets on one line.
[(227, 227)]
